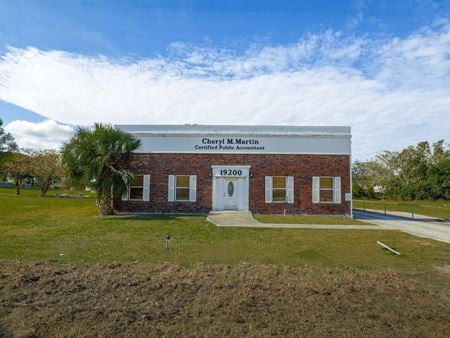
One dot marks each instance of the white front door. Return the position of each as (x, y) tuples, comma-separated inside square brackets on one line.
[(230, 187), (230, 193)]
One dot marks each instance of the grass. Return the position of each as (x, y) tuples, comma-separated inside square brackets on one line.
[(300, 219), (70, 273), (439, 208), (66, 230)]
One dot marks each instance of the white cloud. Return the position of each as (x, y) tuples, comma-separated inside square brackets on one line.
[(42, 135), (392, 91)]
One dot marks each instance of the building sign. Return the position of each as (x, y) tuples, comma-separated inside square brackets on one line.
[(236, 144), (229, 144), (216, 139)]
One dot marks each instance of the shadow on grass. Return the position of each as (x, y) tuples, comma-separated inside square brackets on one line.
[(151, 217)]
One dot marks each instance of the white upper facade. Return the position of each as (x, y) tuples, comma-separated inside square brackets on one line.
[(217, 139)]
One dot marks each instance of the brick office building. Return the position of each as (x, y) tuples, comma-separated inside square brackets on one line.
[(263, 169)]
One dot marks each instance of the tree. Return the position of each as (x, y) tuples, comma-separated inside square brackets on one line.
[(7, 146), (438, 174), (46, 169), (18, 168), (7, 143), (416, 172), (367, 176), (97, 157)]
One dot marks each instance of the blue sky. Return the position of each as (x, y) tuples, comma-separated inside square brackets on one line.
[(380, 66), (146, 28)]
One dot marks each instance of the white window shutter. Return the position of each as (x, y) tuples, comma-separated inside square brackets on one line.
[(146, 188), (125, 195), (316, 189), (192, 188), (268, 189), (290, 189), (337, 190), (171, 188)]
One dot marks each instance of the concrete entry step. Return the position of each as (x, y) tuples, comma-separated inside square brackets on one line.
[(232, 218)]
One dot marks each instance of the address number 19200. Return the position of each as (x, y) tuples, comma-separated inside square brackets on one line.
[(230, 172)]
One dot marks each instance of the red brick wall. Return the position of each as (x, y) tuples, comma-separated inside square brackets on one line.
[(302, 167)]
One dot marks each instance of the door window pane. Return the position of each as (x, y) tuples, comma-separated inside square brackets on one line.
[(230, 189)]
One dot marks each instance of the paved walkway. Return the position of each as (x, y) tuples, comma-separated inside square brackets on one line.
[(421, 226), (246, 220)]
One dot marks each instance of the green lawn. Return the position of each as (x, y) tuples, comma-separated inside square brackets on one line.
[(66, 230), (300, 219), (439, 208)]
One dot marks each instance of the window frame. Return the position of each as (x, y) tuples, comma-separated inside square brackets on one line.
[(188, 188), (285, 190), (327, 189), (136, 186)]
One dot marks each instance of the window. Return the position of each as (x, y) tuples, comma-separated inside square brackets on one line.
[(279, 189), (137, 188), (182, 188), (326, 189)]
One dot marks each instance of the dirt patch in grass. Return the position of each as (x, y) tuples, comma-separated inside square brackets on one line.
[(49, 299), (444, 269)]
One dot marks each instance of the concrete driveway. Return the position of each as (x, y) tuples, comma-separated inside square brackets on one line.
[(421, 226)]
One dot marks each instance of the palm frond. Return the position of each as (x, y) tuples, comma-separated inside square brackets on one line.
[(96, 157)]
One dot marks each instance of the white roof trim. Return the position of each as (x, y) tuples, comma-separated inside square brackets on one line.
[(242, 152), (214, 130)]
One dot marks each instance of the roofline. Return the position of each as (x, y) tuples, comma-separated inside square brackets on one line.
[(247, 130)]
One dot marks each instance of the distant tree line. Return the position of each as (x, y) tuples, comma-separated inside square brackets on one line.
[(416, 172), (42, 168), (39, 167)]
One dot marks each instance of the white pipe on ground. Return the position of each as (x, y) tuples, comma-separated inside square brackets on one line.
[(388, 248)]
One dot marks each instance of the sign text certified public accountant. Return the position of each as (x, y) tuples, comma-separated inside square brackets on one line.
[(227, 143)]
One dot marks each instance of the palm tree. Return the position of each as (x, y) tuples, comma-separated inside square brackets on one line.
[(96, 157)]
